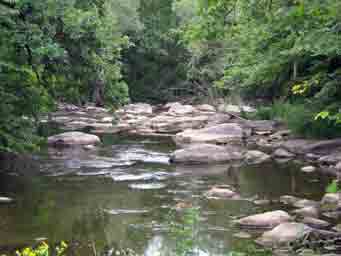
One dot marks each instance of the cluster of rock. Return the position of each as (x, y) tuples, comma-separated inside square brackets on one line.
[(284, 229), (204, 133), (75, 118)]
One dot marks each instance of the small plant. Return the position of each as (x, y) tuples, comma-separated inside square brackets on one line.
[(43, 249), (333, 187)]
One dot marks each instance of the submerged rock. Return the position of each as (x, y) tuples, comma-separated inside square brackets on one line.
[(283, 234), (256, 157), (219, 134), (73, 138), (264, 220), (221, 192), (206, 153)]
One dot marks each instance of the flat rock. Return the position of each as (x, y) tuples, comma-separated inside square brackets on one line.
[(305, 203), (221, 192), (256, 157), (206, 153), (316, 223), (261, 126), (73, 138), (171, 124), (283, 234), (333, 158), (264, 220), (282, 153), (310, 211), (331, 201), (177, 109), (289, 200), (219, 134), (139, 109), (206, 108)]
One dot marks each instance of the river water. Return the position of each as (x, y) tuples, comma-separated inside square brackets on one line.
[(121, 195)]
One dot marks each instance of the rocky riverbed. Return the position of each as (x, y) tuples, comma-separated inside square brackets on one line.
[(209, 141)]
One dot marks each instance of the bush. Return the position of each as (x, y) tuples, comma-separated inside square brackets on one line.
[(300, 119)]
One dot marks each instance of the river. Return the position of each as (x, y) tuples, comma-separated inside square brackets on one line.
[(122, 193)]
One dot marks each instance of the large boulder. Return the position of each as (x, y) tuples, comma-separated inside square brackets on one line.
[(264, 220), (284, 234), (73, 138), (261, 126), (206, 153), (219, 134), (256, 157)]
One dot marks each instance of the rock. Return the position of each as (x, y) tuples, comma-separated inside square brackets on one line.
[(4, 200), (171, 124), (261, 127), (206, 153), (219, 134), (261, 202), (338, 166), (264, 220), (283, 234), (242, 235), (305, 203), (333, 158), (297, 146), (282, 153), (308, 169), (107, 119), (315, 223), (221, 192), (73, 138), (218, 118), (337, 228), (177, 109), (206, 108), (289, 200), (139, 109), (229, 108), (312, 157), (280, 135), (331, 201), (310, 211), (89, 147), (256, 157)]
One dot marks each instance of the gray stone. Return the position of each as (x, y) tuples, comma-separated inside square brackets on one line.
[(315, 223), (256, 157), (139, 109), (289, 200), (221, 192), (73, 138), (333, 158), (219, 134), (264, 220), (177, 109), (282, 153), (283, 234), (305, 203), (206, 108), (310, 211), (206, 153)]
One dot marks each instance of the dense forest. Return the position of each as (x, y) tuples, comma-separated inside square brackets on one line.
[(284, 56)]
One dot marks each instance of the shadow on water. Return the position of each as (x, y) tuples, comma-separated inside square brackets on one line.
[(72, 195)]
